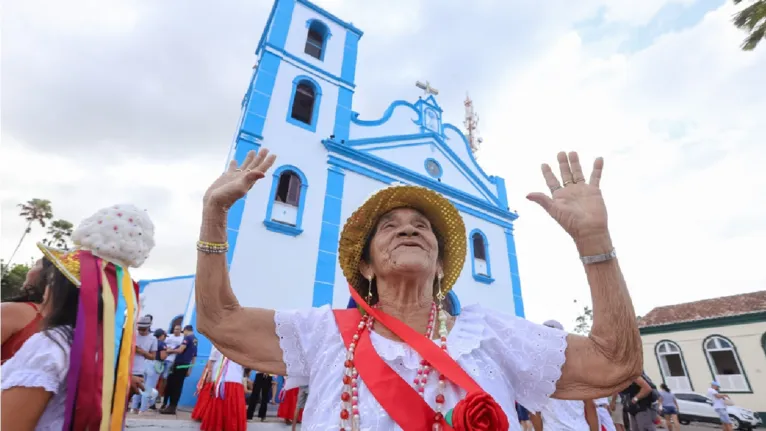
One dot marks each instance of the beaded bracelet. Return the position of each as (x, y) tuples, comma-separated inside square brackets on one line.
[(212, 247)]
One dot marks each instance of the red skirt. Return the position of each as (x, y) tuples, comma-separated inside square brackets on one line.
[(288, 404), (204, 400), (229, 413)]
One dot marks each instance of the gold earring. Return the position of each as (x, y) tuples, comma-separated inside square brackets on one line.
[(369, 289), (439, 293)]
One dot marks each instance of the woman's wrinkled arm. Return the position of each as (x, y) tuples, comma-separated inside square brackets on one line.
[(245, 335), (611, 357)]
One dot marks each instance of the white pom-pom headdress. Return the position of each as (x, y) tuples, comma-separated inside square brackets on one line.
[(122, 234), (106, 245)]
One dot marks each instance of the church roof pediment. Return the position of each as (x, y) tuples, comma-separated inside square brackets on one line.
[(414, 152)]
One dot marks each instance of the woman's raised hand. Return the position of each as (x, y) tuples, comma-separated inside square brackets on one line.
[(577, 205), (238, 180)]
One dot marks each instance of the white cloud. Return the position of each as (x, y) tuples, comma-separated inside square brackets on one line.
[(686, 211), (143, 100)]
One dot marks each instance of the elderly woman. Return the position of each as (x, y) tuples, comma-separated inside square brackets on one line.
[(402, 361)]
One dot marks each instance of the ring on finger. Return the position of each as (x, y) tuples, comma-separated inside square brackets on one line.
[(579, 180), (568, 182), (237, 170), (556, 187)]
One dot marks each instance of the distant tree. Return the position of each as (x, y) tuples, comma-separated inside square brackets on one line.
[(59, 234), (584, 321), (35, 210), (12, 280), (752, 19)]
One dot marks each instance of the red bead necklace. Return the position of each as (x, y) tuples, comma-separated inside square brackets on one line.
[(349, 412)]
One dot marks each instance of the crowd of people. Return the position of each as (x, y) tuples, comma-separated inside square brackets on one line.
[(77, 353)]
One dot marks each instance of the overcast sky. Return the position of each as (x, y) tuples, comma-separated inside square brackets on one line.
[(137, 102)]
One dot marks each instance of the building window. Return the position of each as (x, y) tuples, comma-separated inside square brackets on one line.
[(672, 366), (304, 103), (725, 364), (482, 271), (316, 39), (433, 168), (284, 213)]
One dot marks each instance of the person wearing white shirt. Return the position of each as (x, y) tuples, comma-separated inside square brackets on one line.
[(566, 415), (604, 415), (719, 405), (173, 341)]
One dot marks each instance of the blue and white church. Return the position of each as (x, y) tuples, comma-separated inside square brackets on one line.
[(283, 237)]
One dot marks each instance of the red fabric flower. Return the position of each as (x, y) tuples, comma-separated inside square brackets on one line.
[(479, 412)]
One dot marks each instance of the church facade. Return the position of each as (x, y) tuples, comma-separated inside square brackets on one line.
[(283, 237)]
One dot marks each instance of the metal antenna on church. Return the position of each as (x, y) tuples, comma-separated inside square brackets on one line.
[(472, 125), (427, 89)]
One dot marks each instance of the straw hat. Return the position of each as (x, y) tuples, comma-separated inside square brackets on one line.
[(444, 217)]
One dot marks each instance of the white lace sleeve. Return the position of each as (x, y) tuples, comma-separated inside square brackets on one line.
[(531, 356), (40, 363), (302, 335)]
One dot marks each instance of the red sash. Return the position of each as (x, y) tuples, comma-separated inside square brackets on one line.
[(397, 397)]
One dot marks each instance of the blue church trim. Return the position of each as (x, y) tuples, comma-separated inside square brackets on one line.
[(281, 227), (327, 255), (303, 79), (343, 113), (266, 28), (323, 30), (386, 115), (278, 24), (513, 263), (348, 67), (434, 139), (386, 179), (481, 278), (415, 178), (347, 25), (308, 67)]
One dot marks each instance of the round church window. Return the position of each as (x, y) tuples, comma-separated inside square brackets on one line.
[(433, 168)]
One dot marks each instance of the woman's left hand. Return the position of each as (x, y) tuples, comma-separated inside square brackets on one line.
[(577, 205)]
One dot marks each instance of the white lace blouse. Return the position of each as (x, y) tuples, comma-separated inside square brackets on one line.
[(42, 363), (509, 357)]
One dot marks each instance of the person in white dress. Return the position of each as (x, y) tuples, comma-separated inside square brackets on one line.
[(402, 251), (604, 414), (566, 415), (91, 307)]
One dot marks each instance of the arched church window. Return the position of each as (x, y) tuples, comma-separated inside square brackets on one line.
[(725, 365), (316, 39), (288, 189), (284, 213), (480, 257), (673, 366), (304, 104)]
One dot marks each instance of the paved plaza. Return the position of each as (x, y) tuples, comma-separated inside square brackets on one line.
[(182, 422)]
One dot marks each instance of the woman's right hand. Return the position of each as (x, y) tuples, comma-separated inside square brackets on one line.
[(238, 180)]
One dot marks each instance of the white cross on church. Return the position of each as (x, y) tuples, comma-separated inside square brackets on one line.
[(427, 89)]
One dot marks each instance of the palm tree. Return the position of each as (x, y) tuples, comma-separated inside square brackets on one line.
[(35, 210), (59, 232), (753, 20)]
